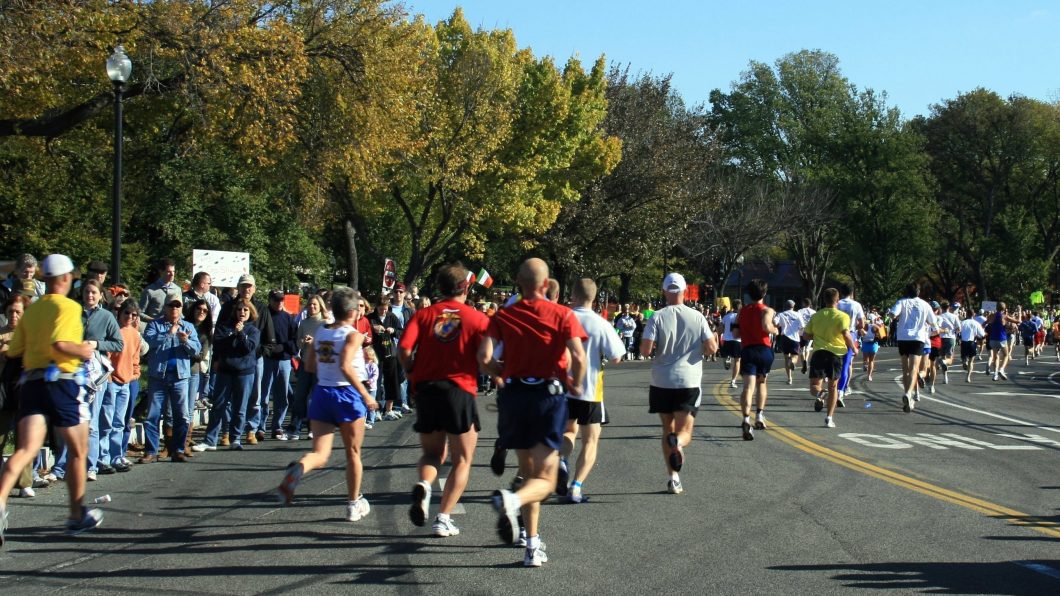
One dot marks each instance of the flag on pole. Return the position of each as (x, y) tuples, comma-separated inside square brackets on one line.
[(484, 278), (470, 279)]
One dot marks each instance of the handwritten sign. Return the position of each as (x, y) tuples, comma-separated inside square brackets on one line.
[(224, 267)]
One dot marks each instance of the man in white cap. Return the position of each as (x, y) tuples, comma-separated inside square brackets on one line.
[(50, 340), (681, 339)]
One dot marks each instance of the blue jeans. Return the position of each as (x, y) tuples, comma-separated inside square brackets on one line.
[(277, 384), (303, 387), (95, 409), (174, 392), (112, 422), (258, 410), (231, 395), (134, 394)]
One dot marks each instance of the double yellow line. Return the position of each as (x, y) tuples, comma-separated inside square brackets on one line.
[(1047, 527)]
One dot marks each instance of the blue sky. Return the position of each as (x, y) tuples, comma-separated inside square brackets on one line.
[(920, 53)]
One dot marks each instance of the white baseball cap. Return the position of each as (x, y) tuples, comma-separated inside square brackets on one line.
[(56, 265), (674, 283)]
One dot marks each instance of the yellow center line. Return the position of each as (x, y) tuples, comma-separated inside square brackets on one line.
[(1047, 527)]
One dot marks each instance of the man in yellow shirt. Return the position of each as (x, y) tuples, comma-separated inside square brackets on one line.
[(50, 340), (829, 328)]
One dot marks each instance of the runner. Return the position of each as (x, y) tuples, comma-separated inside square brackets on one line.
[(805, 312), (870, 344), (949, 326), (829, 328), (997, 328), (49, 339), (731, 348), (971, 334), (682, 339), (626, 324), (755, 325), (790, 324), (1056, 337), (856, 312), (1027, 330), (586, 411), (532, 409), (444, 376), (339, 399), (928, 365), (914, 316), (980, 318)]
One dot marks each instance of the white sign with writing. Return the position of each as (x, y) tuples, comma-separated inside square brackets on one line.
[(224, 266)]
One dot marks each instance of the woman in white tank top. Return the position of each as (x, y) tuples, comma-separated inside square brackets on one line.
[(339, 399)]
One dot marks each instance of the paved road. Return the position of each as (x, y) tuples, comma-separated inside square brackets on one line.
[(961, 496)]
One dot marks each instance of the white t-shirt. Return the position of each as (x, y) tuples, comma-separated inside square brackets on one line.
[(678, 333), (949, 324), (790, 323), (914, 318), (603, 344), (971, 330), (728, 321), (854, 310), (328, 345), (806, 313)]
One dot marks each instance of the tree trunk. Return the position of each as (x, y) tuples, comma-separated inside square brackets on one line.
[(351, 254), (626, 279)]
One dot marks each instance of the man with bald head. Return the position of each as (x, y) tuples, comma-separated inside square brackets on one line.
[(532, 402)]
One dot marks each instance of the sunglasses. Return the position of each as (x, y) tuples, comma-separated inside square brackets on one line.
[(173, 306)]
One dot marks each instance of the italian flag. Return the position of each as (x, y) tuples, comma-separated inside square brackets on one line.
[(470, 279), (484, 278)]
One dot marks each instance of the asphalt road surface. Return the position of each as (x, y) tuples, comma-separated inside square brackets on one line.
[(960, 496)]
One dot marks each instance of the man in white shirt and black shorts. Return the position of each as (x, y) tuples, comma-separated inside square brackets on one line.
[(790, 323), (731, 347), (681, 338), (914, 317)]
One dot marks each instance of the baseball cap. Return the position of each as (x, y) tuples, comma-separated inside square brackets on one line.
[(399, 286), (674, 283), (97, 267), (955, 305), (246, 280), (174, 299), (934, 304), (56, 265), (276, 295), (790, 303)]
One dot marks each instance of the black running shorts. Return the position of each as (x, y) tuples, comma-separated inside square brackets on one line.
[(910, 348), (825, 365), (442, 405), (968, 349), (787, 345), (586, 412), (664, 400), (731, 348)]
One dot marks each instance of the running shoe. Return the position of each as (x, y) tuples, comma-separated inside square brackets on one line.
[(3, 525), (39, 482), (818, 404), (576, 496), (931, 388), (405, 408), (236, 446), (732, 383), (907, 403), (828, 422), (521, 540), (562, 476), (106, 470), (839, 401), (728, 362), (121, 467), (920, 381), (1004, 377), (358, 509), (90, 518), (497, 461), (677, 457), (421, 502), (968, 379), (748, 433), (790, 381), (803, 367), (760, 422), (507, 506), (870, 378), (280, 436), (26, 493), (946, 378), (674, 487), (200, 447), (90, 476), (368, 426), (290, 483), (535, 557), (995, 376), (444, 528)]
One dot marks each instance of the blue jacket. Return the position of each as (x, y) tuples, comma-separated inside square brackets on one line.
[(235, 352), (165, 346)]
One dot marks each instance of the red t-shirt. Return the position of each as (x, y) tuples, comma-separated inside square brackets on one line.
[(752, 332), (446, 337), (365, 327), (535, 334)]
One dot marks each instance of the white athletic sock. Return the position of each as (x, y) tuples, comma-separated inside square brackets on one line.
[(675, 477), (443, 517), (747, 419), (533, 541)]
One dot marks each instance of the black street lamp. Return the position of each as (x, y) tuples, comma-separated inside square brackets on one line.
[(119, 67)]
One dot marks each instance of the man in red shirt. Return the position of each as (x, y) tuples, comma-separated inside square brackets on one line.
[(532, 403), (756, 354), (443, 376)]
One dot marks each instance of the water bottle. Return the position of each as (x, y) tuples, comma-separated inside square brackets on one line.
[(101, 500), (51, 373)]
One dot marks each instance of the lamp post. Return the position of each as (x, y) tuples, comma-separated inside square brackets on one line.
[(119, 67), (739, 261)]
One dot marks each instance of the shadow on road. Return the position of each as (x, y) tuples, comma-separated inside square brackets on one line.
[(940, 578)]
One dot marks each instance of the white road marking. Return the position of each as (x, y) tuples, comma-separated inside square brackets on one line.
[(1017, 394), (898, 381)]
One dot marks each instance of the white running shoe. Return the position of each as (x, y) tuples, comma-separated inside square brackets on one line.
[(995, 376), (931, 389), (507, 505), (535, 556), (27, 493), (828, 422), (444, 527), (200, 447), (358, 509), (732, 383), (521, 540), (421, 501), (946, 378), (1004, 377), (674, 487)]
